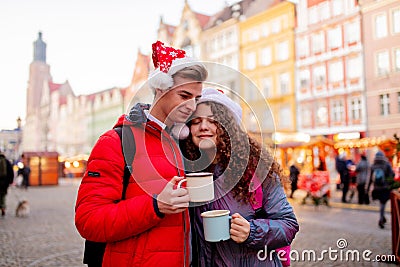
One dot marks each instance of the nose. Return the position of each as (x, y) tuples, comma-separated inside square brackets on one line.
[(191, 105), (204, 124)]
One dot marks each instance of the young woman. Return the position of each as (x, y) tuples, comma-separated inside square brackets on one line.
[(218, 144)]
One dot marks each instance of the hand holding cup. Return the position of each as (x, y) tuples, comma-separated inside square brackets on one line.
[(170, 200), (240, 228)]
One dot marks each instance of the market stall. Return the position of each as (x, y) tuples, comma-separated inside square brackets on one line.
[(370, 145), (316, 153)]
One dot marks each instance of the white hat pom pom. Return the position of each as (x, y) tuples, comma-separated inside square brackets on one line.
[(180, 131), (160, 80)]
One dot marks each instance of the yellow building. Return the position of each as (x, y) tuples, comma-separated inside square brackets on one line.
[(268, 60)]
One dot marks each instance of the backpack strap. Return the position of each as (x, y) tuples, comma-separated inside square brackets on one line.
[(261, 214), (128, 145), (94, 251), (258, 195)]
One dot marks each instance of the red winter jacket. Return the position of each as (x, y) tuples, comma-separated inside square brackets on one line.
[(135, 234)]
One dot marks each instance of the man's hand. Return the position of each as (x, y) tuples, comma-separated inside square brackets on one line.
[(172, 200), (240, 228)]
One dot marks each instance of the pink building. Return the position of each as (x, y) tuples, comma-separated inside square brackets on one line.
[(329, 63), (381, 28)]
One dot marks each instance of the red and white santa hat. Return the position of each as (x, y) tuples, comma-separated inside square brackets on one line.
[(168, 61)]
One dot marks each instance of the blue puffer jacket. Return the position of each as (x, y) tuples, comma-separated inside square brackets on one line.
[(276, 230)]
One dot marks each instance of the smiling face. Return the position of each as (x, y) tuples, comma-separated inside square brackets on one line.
[(177, 104), (203, 128)]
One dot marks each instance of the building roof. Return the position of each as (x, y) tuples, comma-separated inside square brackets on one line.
[(258, 6), (54, 86), (203, 19), (233, 11)]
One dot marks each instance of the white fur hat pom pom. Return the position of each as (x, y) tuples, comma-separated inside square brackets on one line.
[(180, 131), (160, 80)]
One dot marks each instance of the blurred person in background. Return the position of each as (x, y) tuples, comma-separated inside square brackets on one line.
[(6, 178)]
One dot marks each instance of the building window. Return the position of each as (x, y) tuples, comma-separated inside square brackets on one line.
[(254, 36), (285, 116), (397, 59), (319, 76), (337, 111), (250, 94), (396, 21), (251, 61), (354, 67), (267, 86), (304, 78), (276, 26), (382, 63), (398, 101), (283, 51), (264, 29), (306, 115), (266, 56), (356, 108), (324, 11), (385, 104), (185, 25), (312, 15), (284, 83), (335, 37), (318, 42), (381, 29), (337, 7), (303, 48), (322, 113), (353, 32), (336, 72)]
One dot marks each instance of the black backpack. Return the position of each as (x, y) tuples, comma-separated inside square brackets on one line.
[(94, 251), (379, 177)]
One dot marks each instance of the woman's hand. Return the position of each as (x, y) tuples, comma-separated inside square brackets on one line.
[(240, 228)]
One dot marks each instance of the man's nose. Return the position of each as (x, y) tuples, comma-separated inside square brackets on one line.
[(191, 105)]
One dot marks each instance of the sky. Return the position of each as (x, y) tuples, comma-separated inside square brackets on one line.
[(91, 43)]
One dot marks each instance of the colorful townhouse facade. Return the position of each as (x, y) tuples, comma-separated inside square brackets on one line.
[(221, 48), (186, 35), (381, 28), (330, 81), (267, 58)]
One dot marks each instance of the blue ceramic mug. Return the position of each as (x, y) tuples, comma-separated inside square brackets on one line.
[(216, 225)]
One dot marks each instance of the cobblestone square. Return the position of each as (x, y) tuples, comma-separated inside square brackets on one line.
[(48, 236)]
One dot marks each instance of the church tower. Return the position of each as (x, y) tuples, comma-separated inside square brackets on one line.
[(39, 77), (39, 72), (39, 49)]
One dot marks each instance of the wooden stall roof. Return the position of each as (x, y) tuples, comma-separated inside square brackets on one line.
[(364, 142), (313, 141), (30, 154)]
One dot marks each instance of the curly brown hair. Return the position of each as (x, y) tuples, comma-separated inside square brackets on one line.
[(238, 155)]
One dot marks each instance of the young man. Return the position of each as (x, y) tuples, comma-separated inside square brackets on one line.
[(151, 226)]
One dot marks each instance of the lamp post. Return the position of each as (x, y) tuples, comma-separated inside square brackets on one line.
[(19, 138)]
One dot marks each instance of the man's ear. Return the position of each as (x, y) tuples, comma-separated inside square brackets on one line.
[(159, 92)]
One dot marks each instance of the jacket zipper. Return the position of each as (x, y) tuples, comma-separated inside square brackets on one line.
[(168, 137)]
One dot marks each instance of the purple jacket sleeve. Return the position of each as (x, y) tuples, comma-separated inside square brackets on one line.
[(278, 226)]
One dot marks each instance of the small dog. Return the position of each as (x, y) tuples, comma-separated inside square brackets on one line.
[(22, 209)]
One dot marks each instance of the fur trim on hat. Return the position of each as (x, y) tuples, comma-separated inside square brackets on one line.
[(181, 63), (213, 95)]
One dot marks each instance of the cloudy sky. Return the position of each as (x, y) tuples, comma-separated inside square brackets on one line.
[(90, 43)]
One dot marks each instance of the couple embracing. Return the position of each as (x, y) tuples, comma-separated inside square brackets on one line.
[(193, 129)]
